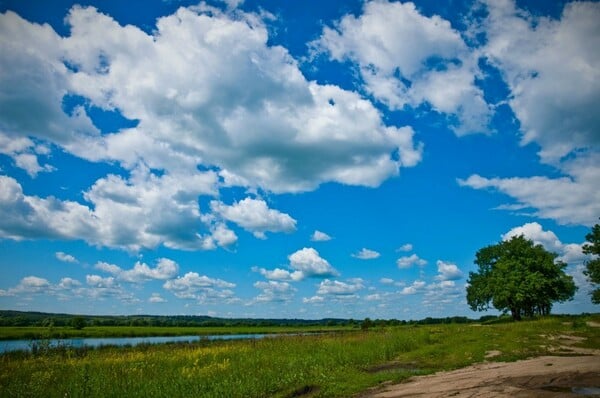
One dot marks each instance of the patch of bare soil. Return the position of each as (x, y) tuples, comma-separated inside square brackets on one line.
[(548, 376), (492, 354)]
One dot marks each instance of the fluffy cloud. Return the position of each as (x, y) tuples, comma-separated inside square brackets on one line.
[(279, 274), (35, 84), (366, 254), (568, 200), (28, 285), (156, 298), (409, 261), (416, 287), (258, 132), (311, 264), (146, 210), (570, 253), (143, 211), (274, 291), (405, 247), (68, 284), (100, 282), (235, 102), (550, 67), (406, 58), (24, 153), (374, 297), (333, 287), (202, 288), (30, 217), (304, 263), (100, 288), (319, 236), (255, 216), (97, 288), (64, 257), (313, 300), (165, 269), (445, 293), (448, 271)]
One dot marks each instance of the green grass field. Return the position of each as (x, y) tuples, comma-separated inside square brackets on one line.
[(328, 365)]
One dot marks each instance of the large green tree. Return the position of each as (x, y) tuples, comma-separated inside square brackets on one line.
[(519, 277), (592, 267)]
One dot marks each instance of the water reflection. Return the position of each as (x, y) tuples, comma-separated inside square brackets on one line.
[(27, 345)]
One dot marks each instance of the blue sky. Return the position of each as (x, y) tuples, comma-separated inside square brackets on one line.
[(290, 159)]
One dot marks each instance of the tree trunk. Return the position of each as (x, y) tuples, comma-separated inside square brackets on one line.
[(516, 314)]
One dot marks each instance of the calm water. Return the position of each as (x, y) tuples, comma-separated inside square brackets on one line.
[(25, 345)]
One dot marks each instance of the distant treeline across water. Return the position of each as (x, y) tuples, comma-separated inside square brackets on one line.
[(19, 318)]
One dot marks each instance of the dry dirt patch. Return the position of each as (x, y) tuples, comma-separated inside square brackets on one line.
[(548, 376)]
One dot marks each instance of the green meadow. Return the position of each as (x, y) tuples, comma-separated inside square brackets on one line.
[(336, 364)]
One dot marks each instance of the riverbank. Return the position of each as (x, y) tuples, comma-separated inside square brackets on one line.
[(38, 332)]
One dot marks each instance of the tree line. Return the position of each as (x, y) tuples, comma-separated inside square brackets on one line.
[(20, 318)]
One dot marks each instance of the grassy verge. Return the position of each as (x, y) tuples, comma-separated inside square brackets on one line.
[(38, 332), (328, 365)]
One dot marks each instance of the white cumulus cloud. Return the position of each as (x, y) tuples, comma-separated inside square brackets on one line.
[(406, 58), (405, 247), (366, 254), (143, 211), (409, 261), (570, 200), (200, 287), (141, 272), (311, 264), (64, 257), (313, 300), (222, 97), (448, 271), (28, 285), (156, 298), (551, 68), (279, 274), (319, 236), (334, 287), (255, 216), (416, 287), (274, 291)]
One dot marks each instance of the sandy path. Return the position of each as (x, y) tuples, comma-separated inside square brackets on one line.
[(548, 376)]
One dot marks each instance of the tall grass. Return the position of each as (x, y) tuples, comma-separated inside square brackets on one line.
[(328, 365)]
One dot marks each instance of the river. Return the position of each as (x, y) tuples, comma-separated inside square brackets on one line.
[(26, 345)]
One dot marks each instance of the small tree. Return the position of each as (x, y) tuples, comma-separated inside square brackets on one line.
[(519, 277), (366, 324), (78, 322), (592, 267)]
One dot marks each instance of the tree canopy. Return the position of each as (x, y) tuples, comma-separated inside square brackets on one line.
[(592, 267), (519, 277)]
